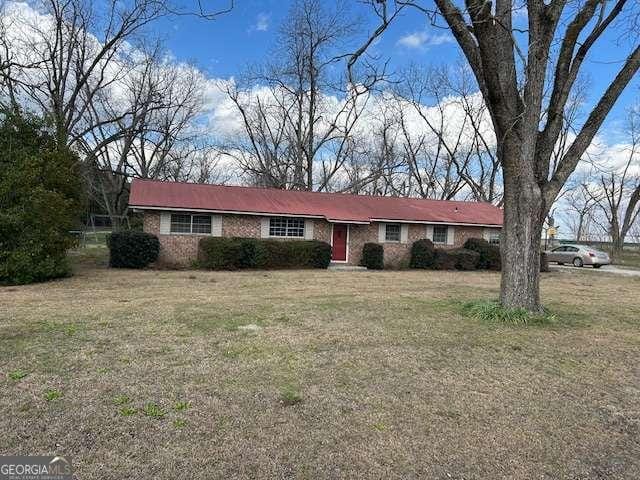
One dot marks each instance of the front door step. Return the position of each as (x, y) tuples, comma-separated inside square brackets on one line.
[(346, 268)]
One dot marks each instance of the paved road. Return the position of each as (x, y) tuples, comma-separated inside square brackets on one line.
[(626, 272)]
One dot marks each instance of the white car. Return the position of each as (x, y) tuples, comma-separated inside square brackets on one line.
[(578, 255)]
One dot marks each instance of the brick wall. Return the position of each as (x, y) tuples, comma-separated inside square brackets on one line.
[(183, 249), (322, 230), (397, 255), (175, 250), (247, 226)]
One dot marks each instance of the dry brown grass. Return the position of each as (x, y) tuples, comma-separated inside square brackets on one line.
[(350, 375)]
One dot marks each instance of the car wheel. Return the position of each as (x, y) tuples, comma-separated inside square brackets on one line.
[(577, 262)]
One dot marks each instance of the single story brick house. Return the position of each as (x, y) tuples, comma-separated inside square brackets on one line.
[(180, 214)]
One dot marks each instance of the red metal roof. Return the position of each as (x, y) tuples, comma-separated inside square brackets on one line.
[(336, 207)]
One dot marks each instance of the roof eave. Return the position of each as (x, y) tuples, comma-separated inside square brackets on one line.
[(436, 222), (330, 220), (233, 212)]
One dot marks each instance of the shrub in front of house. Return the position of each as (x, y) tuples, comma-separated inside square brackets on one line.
[(457, 259), (489, 258), (373, 256), (292, 254), (131, 249), (320, 255), (422, 254), (219, 253), (442, 260), (464, 259)]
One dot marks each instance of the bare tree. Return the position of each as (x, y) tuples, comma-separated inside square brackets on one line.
[(154, 136), (450, 147), (73, 52), (374, 162), (581, 200), (109, 91), (298, 117), (513, 66), (61, 58), (618, 196)]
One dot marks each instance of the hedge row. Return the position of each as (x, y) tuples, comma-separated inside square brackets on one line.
[(477, 254), (457, 259), (424, 255), (219, 253)]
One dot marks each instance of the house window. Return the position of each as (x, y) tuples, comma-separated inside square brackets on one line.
[(286, 227), (201, 224), (392, 232), (494, 238), (181, 223), (440, 233)]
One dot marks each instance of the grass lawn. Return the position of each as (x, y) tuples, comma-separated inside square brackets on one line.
[(319, 374)]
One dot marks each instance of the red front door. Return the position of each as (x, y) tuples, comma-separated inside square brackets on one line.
[(339, 251)]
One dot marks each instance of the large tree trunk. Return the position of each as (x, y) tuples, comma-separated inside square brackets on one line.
[(524, 214), (617, 242)]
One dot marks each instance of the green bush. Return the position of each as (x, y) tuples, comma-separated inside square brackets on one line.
[(458, 259), (464, 259), (217, 253), (442, 260), (41, 198), (422, 254), (131, 249), (373, 256), (292, 254), (489, 254)]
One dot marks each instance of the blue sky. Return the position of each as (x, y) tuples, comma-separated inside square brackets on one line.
[(222, 48)]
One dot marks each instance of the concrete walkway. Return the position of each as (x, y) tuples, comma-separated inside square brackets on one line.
[(625, 272)]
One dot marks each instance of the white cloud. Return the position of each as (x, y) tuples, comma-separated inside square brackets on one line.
[(423, 39), (262, 22)]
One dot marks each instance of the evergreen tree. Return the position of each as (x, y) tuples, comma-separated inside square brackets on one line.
[(40, 201)]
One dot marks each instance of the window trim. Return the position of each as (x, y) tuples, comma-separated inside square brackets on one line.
[(446, 235), (190, 232), (287, 227), (492, 238)]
